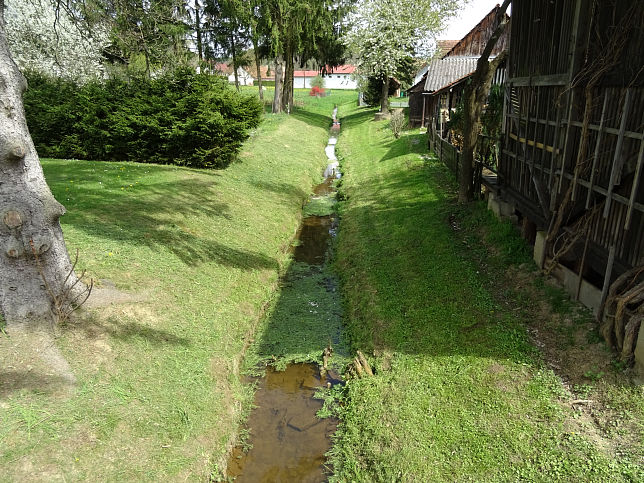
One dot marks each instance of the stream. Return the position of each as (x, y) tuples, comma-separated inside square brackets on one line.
[(287, 440)]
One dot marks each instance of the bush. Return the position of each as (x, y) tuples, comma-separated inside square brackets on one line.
[(316, 91), (318, 81), (397, 122), (374, 89), (182, 118)]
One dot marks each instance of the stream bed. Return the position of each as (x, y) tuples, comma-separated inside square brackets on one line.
[(287, 441)]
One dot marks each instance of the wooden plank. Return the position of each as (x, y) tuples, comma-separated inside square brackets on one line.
[(571, 99), (580, 276), (530, 142), (540, 80), (636, 183), (604, 192), (576, 170), (618, 160), (608, 273), (611, 130), (554, 152), (602, 123)]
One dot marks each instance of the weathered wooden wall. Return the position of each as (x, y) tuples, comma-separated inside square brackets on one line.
[(474, 42), (549, 158)]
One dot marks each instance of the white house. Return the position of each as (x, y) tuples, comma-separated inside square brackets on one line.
[(340, 78), (245, 78)]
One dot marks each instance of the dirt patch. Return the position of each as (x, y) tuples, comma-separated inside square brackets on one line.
[(107, 294), (567, 338), (30, 361)]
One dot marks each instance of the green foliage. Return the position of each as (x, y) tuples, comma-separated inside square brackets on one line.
[(318, 82), (181, 118), (397, 122), (373, 90)]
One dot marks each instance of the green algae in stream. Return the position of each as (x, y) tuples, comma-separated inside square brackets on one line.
[(322, 206), (303, 320)]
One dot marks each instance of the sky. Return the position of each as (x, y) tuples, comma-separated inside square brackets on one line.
[(470, 15)]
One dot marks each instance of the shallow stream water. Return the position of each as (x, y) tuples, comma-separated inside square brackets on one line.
[(287, 440)]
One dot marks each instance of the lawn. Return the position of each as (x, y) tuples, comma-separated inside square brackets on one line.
[(185, 263), (461, 393)]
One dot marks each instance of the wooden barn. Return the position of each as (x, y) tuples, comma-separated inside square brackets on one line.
[(573, 152), (445, 79), (423, 102)]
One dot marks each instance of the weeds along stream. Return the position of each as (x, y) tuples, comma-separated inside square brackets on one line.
[(286, 440)]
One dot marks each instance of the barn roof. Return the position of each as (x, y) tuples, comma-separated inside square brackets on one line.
[(444, 46), (474, 42), (445, 71)]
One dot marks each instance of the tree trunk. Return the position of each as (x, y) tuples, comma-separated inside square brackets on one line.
[(258, 66), (277, 99), (289, 72), (198, 30), (471, 127), (384, 96), (234, 54), (28, 212), (474, 98)]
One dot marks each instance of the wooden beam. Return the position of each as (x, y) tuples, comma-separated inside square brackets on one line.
[(530, 142), (636, 182), (611, 130), (618, 160), (567, 139), (597, 144), (540, 80)]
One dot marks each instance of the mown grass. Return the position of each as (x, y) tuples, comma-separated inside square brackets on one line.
[(158, 393), (460, 392)]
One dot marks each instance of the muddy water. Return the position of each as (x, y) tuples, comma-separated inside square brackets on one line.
[(287, 440)]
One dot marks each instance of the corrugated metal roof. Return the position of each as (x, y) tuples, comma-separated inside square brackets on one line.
[(445, 71)]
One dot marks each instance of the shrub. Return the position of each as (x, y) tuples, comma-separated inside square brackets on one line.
[(181, 118), (318, 81), (373, 90), (397, 122), (316, 91)]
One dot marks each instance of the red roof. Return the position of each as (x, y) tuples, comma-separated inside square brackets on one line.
[(341, 69), (305, 73)]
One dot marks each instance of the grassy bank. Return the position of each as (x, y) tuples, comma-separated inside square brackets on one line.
[(185, 262), (461, 393)]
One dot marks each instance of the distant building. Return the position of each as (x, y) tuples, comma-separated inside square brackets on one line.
[(334, 78), (244, 77)]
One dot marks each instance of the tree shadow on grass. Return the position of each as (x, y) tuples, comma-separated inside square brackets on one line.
[(152, 213), (13, 380), (289, 190), (313, 119), (94, 327)]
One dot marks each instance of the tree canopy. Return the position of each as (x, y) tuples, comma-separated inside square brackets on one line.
[(383, 34)]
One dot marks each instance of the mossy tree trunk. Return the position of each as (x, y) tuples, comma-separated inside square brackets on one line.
[(34, 263)]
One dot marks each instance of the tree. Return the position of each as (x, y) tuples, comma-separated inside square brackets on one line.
[(49, 42), (300, 29), (383, 34), (146, 36), (34, 263), (474, 98)]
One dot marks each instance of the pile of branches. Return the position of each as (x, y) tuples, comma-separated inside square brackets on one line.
[(622, 314)]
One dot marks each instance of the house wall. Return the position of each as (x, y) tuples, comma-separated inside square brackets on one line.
[(332, 81)]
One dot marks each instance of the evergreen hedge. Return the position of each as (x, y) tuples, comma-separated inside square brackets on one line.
[(181, 118)]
